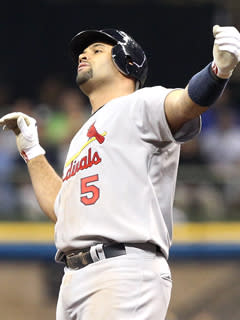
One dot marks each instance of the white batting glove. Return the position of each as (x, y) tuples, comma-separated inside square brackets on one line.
[(25, 128), (226, 51)]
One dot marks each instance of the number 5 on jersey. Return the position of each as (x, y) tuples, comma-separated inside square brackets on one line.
[(89, 192)]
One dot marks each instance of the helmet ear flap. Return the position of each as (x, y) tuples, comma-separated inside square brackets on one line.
[(123, 60), (127, 62), (119, 58)]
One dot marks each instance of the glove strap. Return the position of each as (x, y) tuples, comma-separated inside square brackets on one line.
[(32, 153), (219, 73)]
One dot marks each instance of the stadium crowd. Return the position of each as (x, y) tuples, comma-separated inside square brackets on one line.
[(60, 111)]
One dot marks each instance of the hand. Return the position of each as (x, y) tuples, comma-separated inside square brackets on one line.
[(226, 50), (26, 132)]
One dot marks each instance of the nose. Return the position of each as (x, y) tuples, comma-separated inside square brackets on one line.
[(82, 57)]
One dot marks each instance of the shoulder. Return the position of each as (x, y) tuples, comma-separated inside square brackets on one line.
[(151, 94), (156, 90)]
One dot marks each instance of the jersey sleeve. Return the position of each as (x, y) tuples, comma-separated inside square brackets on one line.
[(151, 120)]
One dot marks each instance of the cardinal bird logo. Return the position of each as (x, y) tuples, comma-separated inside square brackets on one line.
[(92, 133)]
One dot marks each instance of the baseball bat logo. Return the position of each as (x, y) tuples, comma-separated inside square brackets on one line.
[(92, 133)]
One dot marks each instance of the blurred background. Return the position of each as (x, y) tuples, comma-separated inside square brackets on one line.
[(37, 77)]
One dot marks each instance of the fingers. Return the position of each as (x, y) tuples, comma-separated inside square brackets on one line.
[(14, 116), (228, 30), (227, 39), (22, 125), (226, 34), (215, 29), (231, 49), (9, 116), (10, 121)]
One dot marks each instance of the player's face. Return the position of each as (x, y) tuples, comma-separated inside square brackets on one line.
[(96, 65)]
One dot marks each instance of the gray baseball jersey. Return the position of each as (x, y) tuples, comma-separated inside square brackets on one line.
[(120, 175)]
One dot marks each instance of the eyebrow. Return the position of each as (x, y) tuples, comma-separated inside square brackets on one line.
[(94, 46), (97, 44)]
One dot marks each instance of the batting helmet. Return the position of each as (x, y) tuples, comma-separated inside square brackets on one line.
[(127, 54)]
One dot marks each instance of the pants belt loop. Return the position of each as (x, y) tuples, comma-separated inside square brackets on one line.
[(100, 251), (97, 252), (93, 254)]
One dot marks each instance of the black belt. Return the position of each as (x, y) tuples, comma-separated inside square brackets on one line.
[(78, 259)]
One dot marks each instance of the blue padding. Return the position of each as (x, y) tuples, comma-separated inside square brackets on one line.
[(196, 251), (27, 251), (205, 251)]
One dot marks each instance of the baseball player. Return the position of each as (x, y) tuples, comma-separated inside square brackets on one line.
[(113, 204)]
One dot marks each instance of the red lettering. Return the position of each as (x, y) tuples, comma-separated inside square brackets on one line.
[(96, 159), (68, 175), (89, 158), (82, 164), (73, 172)]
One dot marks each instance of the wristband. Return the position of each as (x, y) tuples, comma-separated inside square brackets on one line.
[(32, 153), (205, 87)]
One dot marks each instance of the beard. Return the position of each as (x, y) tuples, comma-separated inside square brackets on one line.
[(83, 77)]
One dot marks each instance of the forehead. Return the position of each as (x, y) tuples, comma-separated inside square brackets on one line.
[(99, 44)]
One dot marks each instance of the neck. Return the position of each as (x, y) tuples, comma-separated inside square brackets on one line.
[(103, 94), (98, 99)]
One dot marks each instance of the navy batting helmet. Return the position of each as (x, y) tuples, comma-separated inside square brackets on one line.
[(127, 54)]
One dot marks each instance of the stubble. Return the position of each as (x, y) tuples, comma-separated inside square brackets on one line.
[(83, 77)]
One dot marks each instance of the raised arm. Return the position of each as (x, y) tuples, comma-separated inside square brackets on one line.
[(46, 183), (205, 87)]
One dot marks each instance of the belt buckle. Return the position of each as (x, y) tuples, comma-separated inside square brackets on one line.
[(76, 260)]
